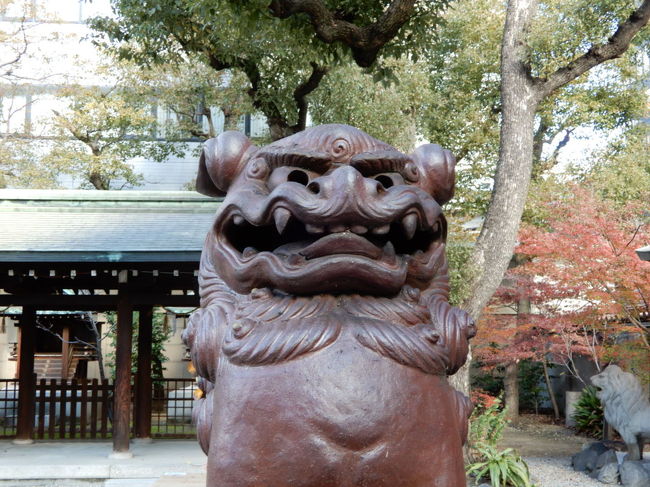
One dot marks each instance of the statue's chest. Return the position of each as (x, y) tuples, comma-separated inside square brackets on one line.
[(344, 391)]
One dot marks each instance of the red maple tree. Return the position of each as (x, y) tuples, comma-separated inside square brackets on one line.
[(589, 291)]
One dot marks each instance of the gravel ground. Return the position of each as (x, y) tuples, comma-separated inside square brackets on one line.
[(557, 472)]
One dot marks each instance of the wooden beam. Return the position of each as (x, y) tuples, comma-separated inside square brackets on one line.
[(143, 381), (26, 378), (95, 303), (122, 399)]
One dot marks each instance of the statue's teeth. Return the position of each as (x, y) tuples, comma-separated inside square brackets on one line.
[(382, 230), (410, 224), (249, 252), (359, 229), (238, 219), (338, 228), (281, 217), (314, 228), (389, 249)]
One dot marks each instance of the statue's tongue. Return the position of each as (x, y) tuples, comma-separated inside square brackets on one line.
[(341, 243), (336, 243)]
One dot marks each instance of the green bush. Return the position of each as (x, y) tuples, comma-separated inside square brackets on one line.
[(487, 423), (503, 467), (588, 414)]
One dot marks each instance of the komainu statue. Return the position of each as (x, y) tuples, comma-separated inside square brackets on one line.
[(626, 407), (325, 337)]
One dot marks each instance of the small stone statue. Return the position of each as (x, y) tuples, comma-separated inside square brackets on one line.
[(325, 337), (626, 406)]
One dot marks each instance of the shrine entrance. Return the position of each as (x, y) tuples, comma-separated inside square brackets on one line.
[(101, 251)]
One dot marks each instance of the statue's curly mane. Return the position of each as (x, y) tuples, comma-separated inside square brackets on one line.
[(416, 329), (622, 396)]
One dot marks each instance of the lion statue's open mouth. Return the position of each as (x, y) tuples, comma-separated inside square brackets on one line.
[(328, 219)]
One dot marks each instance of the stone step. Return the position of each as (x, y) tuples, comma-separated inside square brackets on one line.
[(189, 480)]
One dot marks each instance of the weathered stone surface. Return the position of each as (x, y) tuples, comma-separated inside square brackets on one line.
[(587, 459), (634, 475), (608, 473), (607, 457), (626, 407), (584, 460)]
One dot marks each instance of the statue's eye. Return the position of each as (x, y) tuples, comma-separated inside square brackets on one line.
[(298, 176), (290, 174), (388, 180)]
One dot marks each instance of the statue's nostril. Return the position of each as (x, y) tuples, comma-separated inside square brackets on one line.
[(314, 187)]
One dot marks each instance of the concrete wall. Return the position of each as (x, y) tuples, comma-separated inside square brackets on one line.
[(8, 336)]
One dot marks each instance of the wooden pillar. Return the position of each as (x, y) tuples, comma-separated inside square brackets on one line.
[(122, 399), (65, 351), (143, 381), (26, 379)]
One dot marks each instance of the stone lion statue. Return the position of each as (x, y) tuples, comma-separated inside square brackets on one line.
[(626, 406), (325, 336)]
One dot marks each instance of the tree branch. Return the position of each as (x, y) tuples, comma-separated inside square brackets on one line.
[(365, 42), (304, 89), (599, 53)]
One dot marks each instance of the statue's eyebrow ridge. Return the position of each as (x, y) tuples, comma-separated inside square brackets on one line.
[(303, 158), (369, 163)]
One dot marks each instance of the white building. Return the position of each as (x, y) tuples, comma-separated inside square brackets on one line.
[(52, 45)]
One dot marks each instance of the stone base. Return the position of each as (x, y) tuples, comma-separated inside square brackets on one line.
[(23, 442), (121, 455), (142, 441)]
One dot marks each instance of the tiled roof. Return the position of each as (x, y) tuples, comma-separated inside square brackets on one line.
[(46, 225)]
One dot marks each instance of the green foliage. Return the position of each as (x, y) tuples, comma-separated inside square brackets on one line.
[(588, 413), (160, 334), (562, 28), (502, 467), (463, 112), (98, 131), (621, 172), (459, 249), (388, 111), (487, 423), (531, 390), (274, 55), (486, 379)]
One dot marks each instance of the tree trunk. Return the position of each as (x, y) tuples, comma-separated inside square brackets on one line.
[(551, 393), (511, 378), (497, 240), (98, 181), (278, 128), (511, 388)]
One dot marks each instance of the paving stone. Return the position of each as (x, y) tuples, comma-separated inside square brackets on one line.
[(608, 473), (634, 475)]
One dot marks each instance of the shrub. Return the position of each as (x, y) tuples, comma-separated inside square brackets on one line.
[(588, 413), (503, 467), (487, 421)]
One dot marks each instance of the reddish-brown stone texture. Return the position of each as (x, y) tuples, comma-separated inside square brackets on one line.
[(325, 336)]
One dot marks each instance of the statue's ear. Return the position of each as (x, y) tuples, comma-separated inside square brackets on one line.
[(437, 167), (222, 159)]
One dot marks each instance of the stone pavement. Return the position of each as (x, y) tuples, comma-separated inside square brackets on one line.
[(161, 463)]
